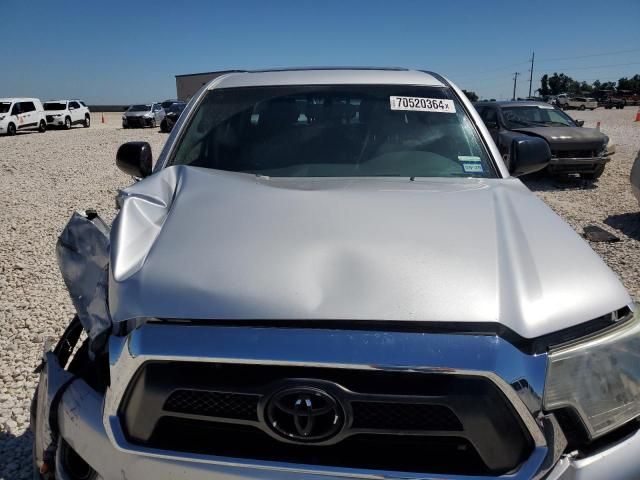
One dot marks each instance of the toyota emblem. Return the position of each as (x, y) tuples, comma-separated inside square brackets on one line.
[(304, 414)]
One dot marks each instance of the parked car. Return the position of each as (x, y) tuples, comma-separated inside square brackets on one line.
[(167, 103), (613, 102), (144, 115), (173, 112), (562, 100), (21, 114), (65, 113), (574, 149), (332, 274), (581, 103), (635, 177)]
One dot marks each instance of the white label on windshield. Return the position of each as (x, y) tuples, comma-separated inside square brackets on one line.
[(546, 107), (417, 104), (472, 167), (468, 158)]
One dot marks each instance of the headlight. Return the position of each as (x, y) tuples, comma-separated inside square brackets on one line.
[(599, 377), (148, 114), (2, 117)]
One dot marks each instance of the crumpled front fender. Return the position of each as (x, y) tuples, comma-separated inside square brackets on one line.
[(83, 257)]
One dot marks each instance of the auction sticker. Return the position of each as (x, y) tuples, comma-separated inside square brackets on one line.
[(419, 104), (472, 167)]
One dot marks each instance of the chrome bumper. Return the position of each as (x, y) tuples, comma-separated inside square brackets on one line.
[(578, 161)]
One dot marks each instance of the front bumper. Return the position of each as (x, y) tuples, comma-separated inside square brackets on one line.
[(53, 121), (80, 420), (137, 122), (89, 424)]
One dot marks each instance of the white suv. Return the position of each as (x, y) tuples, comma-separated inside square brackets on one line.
[(18, 114), (65, 113)]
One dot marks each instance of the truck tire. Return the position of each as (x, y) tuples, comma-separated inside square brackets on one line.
[(42, 126), (582, 107), (87, 121), (11, 129), (67, 123), (596, 174)]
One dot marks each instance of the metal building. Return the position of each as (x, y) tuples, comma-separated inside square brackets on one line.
[(187, 85)]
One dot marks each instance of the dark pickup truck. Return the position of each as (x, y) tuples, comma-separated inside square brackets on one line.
[(574, 149)]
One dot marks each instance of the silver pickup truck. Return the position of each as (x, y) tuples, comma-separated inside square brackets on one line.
[(331, 273)]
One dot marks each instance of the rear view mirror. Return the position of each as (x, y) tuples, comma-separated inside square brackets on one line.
[(580, 123), (528, 155), (135, 159)]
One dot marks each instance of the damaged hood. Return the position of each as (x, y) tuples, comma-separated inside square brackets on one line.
[(194, 243), (568, 138)]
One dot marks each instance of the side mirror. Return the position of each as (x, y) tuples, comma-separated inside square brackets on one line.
[(580, 123), (528, 155), (491, 125), (135, 159)]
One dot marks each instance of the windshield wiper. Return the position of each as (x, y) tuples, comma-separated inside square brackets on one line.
[(529, 123)]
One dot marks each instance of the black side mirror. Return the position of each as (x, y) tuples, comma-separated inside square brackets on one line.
[(580, 123), (491, 125), (135, 159), (528, 155)]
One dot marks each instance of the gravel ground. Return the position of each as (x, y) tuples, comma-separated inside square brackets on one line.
[(607, 203), (44, 177)]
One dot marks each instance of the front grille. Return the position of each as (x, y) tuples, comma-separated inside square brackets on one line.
[(404, 416), (445, 455), (135, 121), (213, 404), (464, 422), (574, 153)]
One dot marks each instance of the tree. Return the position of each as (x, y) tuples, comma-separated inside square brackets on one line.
[(585, 87), (561, 83), (544, 89), (472, 96), (632, 83)]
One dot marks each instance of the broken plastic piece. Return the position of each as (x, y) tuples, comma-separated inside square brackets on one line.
[(83, 258)]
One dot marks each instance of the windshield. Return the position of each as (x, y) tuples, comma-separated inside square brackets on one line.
[(334, 131), (139, 108), (4, 107), (176, 108), (535, 116), (55, 106)]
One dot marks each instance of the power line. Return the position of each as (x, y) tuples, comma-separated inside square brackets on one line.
[(592, 66), (593, 55), (543, 60)]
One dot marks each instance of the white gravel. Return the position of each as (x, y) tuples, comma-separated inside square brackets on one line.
[(607, 203), (44, 177)]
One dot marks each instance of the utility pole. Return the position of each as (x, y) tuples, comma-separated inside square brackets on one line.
[(533, 56), (515, 82)]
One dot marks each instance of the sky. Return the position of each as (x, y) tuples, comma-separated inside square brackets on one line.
[(120, 52)]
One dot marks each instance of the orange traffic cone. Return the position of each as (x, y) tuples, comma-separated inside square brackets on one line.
[(103, 118), (638, 115)]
